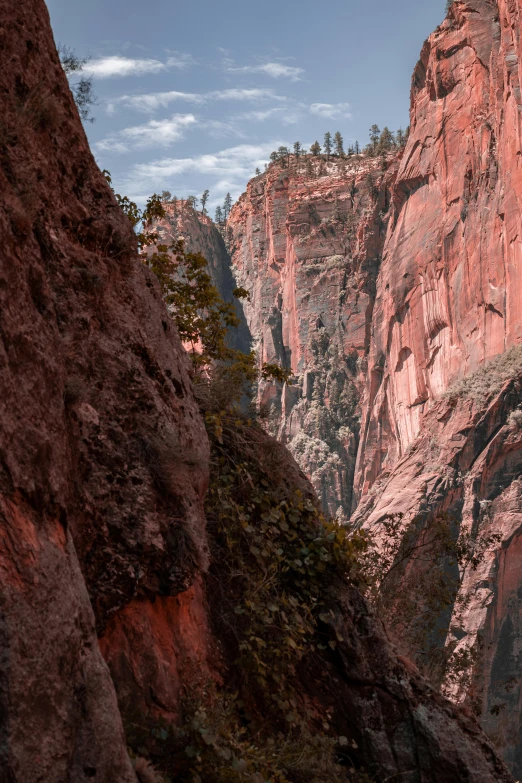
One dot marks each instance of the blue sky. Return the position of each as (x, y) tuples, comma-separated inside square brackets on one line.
[(195, 95)]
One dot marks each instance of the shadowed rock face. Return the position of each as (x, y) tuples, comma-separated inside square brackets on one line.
[(103, 470), (103, 454)]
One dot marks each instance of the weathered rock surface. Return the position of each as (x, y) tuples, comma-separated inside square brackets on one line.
[(448, 301), (103, 454), (306, 242), (103, 471), (449, 289), (201, 235)]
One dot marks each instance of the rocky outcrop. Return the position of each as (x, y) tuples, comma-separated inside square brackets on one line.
[(448, 301), (103, 454), (306, 242), (449, 289)]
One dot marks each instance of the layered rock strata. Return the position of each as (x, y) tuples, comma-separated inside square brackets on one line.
[(104, 465), (448, 302), (306, 242)]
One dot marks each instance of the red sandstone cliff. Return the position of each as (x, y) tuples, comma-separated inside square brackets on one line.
[(103, 453), (306, 242), (449, 300), (104, 465), (445, 300)]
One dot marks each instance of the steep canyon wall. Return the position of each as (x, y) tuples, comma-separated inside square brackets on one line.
[(104, 466)]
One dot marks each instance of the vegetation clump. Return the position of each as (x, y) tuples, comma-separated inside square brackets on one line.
[(489, 379)]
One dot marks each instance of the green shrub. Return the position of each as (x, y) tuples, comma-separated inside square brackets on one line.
[(489, 379)]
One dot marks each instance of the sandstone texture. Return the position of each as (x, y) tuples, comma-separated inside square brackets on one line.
[(104, 465), (448, 302), (200, 235), (449, 293), (103, 454), (306, 242)]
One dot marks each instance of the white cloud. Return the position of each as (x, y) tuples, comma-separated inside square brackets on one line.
[(275, 70), (117, 66), (332, 111), (237, 94), (224, 171), (220, 130), (148, 103), (156, 133), (261, 115)]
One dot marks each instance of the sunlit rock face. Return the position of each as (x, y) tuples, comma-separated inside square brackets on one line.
[(306, 242), (449, 298), (450, 287)]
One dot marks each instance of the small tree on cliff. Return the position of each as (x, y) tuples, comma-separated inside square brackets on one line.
[(328, 144), (219, 216), (386, 140), (375, 134), (339, 145), (258, 171), (204, 199), (400, 138), (283, 156), (315, 149), (82, 90), (298, 147), (227, 206), (357, 149)]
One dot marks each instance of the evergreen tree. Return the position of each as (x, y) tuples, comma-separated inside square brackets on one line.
[(219, 216), (204, 199), (375, 134), (258, 171), (339, 145), (166, 195), (400, 138), (328, 144), (227, 206), (357, 148), (386, 140), (284, 156), (192, 201), (298, 149), (274, 157), (315, 149), (309, 168)]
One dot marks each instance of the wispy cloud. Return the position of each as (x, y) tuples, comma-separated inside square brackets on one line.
[(224, 171), (117, 66), (332, 111), (288, 115), (148, 103), (156, 133), (238, 94), (275, 70)]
